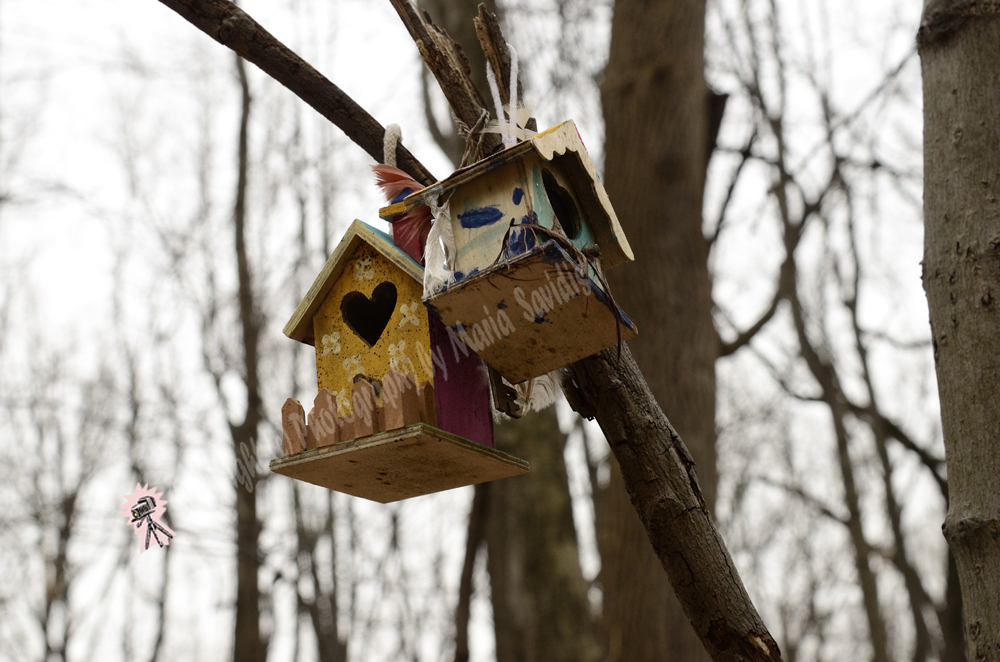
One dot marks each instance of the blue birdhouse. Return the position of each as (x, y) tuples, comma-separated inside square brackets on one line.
[(533, 233)]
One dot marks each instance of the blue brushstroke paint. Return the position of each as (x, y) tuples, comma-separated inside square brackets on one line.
[(402, 194), (479, 217), (463, 275), (433, 311), (518, 194), (501, 304), (520, 241)]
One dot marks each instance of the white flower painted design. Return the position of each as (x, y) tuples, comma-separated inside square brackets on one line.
[(343, 402), (398, 360), (363, 269), (409, 311), (352, 364), (331, 343)]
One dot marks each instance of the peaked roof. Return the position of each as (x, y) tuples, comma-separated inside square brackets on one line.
[(299, 327), (561, 144)]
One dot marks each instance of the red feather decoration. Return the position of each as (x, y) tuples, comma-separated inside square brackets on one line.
[(410, 229)]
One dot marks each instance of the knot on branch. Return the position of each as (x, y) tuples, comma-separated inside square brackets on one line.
[(238, 28), (960, 528)]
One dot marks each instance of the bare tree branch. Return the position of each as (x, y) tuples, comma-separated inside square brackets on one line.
[(232, 27), (446, 60), (661, 480)]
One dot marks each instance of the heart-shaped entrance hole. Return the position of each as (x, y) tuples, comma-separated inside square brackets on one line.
[(369, 317)]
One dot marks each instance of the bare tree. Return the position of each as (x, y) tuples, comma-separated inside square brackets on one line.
[(58, 429), (815, 333)]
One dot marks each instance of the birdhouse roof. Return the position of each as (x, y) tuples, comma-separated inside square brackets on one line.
[(299, 327), (563, 145)]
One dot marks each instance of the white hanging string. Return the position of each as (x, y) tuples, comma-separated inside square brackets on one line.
[(440, 249), (393, 135), (505, 136), (513, 105)]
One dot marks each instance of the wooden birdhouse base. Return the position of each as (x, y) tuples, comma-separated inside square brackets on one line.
[(533, 314), (411, 461)]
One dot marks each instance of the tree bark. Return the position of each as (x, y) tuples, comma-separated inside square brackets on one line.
[(659, 474), (456, 18), (448, 61), (959, 45), (657, 116)]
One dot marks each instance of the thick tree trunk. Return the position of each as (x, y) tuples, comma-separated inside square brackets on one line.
[(657, 117), (959, 43), (540, 604)]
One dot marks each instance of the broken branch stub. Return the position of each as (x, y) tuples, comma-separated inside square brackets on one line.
[(447, 61)]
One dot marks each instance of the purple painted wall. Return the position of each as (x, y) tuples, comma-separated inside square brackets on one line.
[(461, 387)]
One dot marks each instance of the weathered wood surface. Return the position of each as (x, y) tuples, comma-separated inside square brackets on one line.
[(532, 315), (400, 464), (494, 47), (401, 400), (232, 27), (327, 432), (293, 428), (959, 46), (402, 404), (661, 481), (447, 61)]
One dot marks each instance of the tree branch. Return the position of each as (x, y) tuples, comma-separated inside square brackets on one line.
[(661, 480), (232, 27), (727, 348), (448, 63)]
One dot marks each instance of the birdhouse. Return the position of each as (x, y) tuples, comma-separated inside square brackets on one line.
[(533, 233), (403, 407)]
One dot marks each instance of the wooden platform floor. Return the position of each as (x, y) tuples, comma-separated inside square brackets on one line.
[(411, 461)]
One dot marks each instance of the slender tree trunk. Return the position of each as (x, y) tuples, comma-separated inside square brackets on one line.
[(959, 44), (833, 395), (656, 113), (248, 645)]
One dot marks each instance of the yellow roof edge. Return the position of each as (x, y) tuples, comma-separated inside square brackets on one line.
[(299, 326)]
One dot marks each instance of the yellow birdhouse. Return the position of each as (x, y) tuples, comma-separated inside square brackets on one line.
[(531, 233), (403, 407)]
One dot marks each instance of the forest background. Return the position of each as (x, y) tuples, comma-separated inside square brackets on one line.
[(162, 210)]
